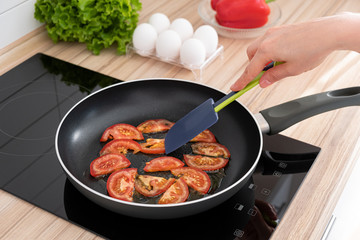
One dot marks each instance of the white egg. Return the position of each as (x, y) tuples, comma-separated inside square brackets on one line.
[(209, 37), (160, 22), (168, 45), (183, 27), (144, 39), (192, 53)]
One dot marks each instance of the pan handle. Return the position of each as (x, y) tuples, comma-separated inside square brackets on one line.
[(282, 116)]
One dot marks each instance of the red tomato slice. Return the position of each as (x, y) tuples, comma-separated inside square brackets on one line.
[(153, 146), (155, 125), (204, 162), (151, 186), (121, 183), (120, 146), (204, 136), (195, 178), (108, 163), (210, 149), (163, 164), (121, 131), (177, 193)]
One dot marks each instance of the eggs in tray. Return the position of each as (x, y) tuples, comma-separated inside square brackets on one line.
[(176, 41)]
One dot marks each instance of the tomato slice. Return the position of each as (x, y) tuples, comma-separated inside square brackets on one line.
[(195, 178), (121, 183), (163, 164), (151, 186), (121, 131), (108, 163), (155, 125), (153, 146), (177, 193), (204, 136), (120, 146), (210, 149), (204, 162)]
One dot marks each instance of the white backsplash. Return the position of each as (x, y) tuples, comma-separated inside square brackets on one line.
[(16, 20)]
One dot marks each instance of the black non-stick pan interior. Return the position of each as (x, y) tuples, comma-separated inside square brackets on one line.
[(136, 101)]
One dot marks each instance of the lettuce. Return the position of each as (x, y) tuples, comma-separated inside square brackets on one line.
[(98, 23)]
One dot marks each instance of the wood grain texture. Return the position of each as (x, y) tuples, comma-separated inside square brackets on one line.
[(336, 132)]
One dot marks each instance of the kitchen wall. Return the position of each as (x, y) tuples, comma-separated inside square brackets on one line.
[(16, 20)]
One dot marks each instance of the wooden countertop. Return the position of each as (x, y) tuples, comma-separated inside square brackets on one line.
[(336, 132)]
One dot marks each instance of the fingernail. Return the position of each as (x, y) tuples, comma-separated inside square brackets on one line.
[(265, 83), (234, 86)]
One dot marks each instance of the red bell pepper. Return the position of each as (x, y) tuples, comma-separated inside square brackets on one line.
[(241, 13)]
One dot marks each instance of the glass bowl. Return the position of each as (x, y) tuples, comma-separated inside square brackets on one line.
[(208, 16)]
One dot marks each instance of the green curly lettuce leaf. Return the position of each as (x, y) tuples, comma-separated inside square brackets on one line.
[(98, 23)]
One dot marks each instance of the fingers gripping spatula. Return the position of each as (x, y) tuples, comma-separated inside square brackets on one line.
[(203, 116)]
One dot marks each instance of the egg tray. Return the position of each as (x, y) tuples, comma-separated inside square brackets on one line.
[(197, 70)]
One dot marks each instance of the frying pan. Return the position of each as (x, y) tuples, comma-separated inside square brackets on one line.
[(77, 138)]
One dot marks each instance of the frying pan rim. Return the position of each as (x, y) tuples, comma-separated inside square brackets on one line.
[(101, 195)]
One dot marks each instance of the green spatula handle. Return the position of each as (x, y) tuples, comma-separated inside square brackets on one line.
[(229, 98)]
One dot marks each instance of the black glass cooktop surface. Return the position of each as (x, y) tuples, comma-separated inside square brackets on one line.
[(34, 97)]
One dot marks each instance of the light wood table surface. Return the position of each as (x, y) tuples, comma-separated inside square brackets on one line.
[(336, 132)]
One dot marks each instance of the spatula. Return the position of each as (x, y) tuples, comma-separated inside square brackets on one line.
[(204, 116)]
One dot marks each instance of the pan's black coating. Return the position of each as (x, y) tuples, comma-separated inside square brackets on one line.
[(134, 102)]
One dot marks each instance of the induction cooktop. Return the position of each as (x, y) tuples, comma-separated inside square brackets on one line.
[(34, 97)]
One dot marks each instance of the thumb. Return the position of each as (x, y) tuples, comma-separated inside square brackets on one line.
[(251, 71), (274, 74)]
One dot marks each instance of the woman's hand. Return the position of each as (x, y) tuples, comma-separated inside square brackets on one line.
[(301, 47)]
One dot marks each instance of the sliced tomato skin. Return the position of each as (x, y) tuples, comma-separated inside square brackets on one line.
[(210, 149), (151, 186), (163, 164), (205, 163), (121, 131), (120, 184), (153, 146), (195, 178), (108, 163), (120, 146), (178, 192), (155, 125), (204, 136)]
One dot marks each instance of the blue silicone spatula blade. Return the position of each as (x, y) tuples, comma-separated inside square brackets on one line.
[(203, 116), (188, 127)]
